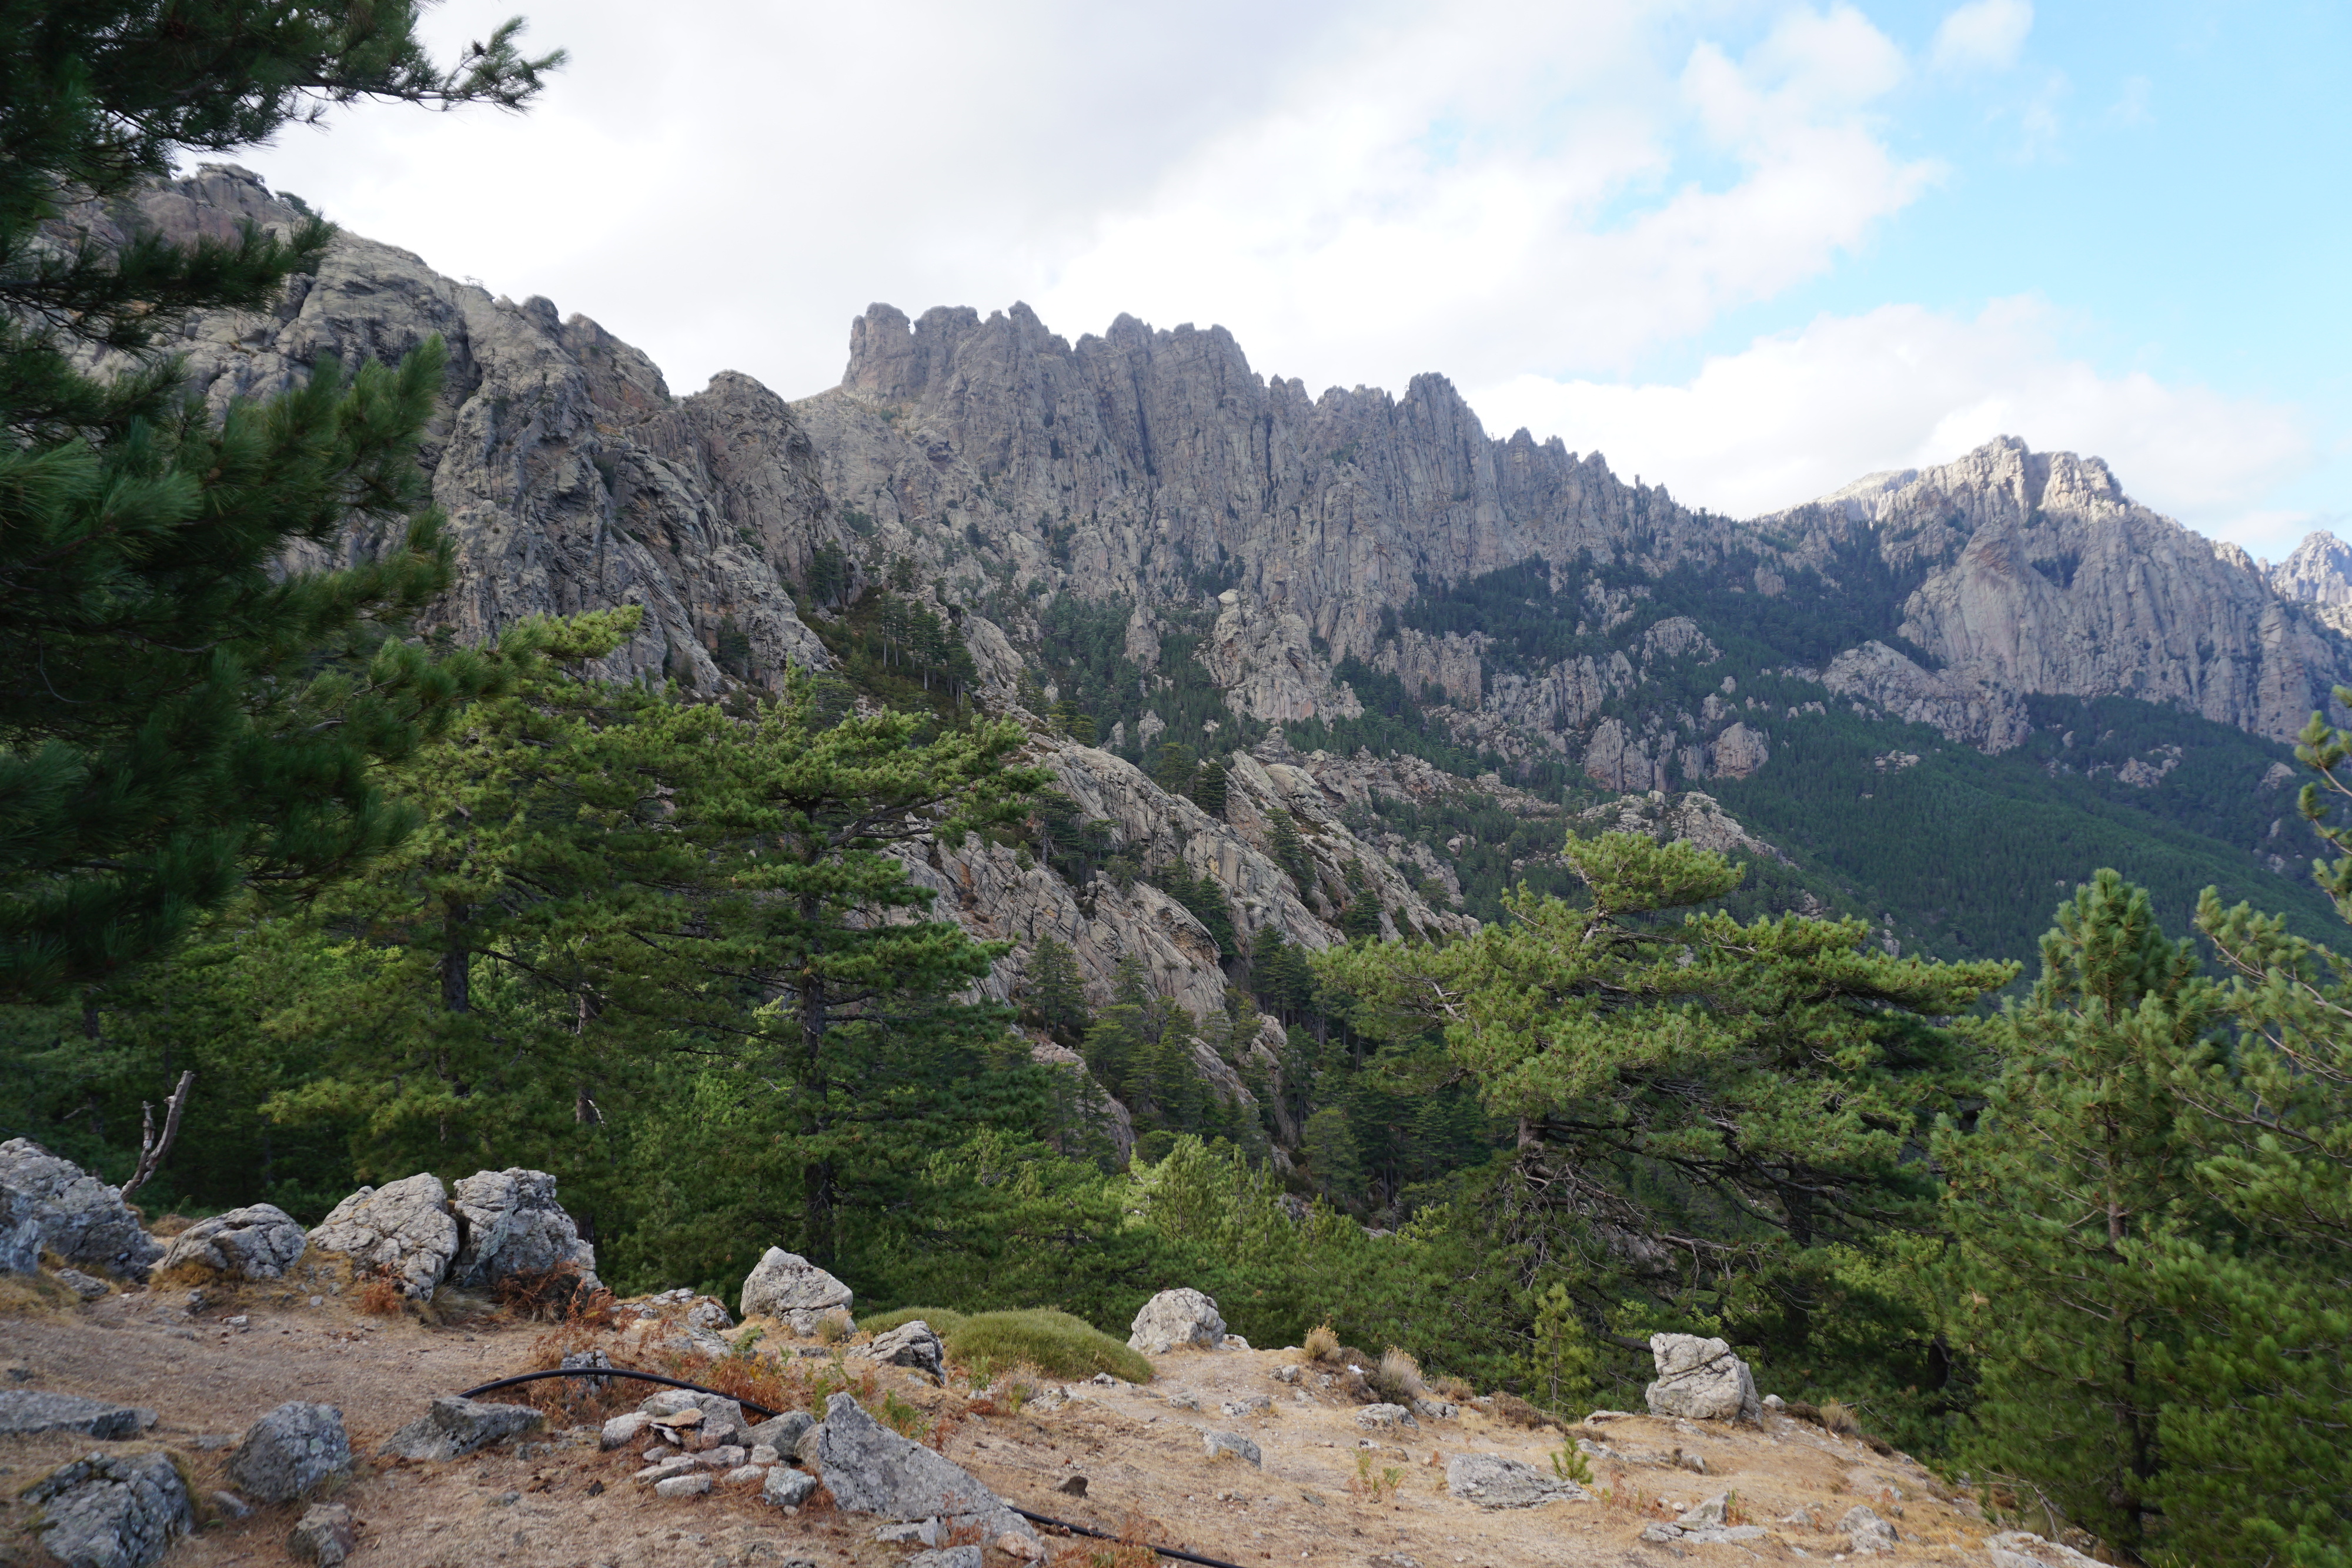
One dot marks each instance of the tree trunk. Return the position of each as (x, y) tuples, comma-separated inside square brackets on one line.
[(457, 962)]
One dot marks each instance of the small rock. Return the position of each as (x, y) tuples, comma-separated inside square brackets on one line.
[(1286, 1373), (1660, 1531), (787, 1488), (1394, 1560), (1233, 1341), (762, 1454), (453, 1426), (258, 1242), (1076, 1486), (325, 1536), (228, 1505), (1435, 1410), (947, 1557), (1701, 1380), (1185, 1399), (1866, 1532), (623, 1430), (1021, 1548), (1802, 1518), (781, 1433), (289, 1450), (909, 1532), (788, 1286), (87, 1287), (1693, 1462), (237, 1321), (25, 1411), (911, 1343), (663, 1469), (746, 1476), (1373, 1417), (709, 1314), (2023, 1549), (693, 1485), (1218, 1444), (1711, 1512), (719, 1419), (1174, 1318), (108, 1513)]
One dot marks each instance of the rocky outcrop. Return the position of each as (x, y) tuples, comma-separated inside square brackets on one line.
[(515, 1228), (1262, 658), (289, 1450), (2042, 576), (53, 1204), (1690, 818), (1180, 1317), (110, 1511), (2318, 571), (401, 1231), (451, 1427), (1974, 712), (260, 1242), (871, 1470), (788, 1286), (1701, 1380)]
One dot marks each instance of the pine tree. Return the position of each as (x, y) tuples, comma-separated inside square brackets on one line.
[(1209, 788), (179, 719), (2077, 1178), (1289, 851), (1055, 992)]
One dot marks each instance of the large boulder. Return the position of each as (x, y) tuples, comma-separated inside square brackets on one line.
[(72, 1214), (108, 1512), (402, 1229), (788, 1286), (1490, 1481), (260, 1242), (869, 1468), (1701, 1380), (512, 1225), (1174, 1318), (25, 1411), (453, 1426), (290, 1450)]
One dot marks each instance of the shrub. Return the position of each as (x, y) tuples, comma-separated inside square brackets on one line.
[(944, 1320), (832, 1328), (1397, 1379), (1518, 1412), (1055, 1343), (1322, 1344)]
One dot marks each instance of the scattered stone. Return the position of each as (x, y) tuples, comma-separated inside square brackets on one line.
[(325, 1536), (719, 1419), (585, 1361), (709, 1314), (1711, 1512), (89, 1287), (289, 1450), (54, 1204), (2023, 1549), (1689, 1460), (1773, 1402), (1218, 1444), (725, 1457), (1660, 1531), (1076, 1486), (402, 1229), (1701, 1380), (108, 1513), (913, 1533), (1233, 1342), (911, 1343), (1490, 1481), (228, 1505), (25, 1411), (871, 1470), (782, 1433), (1394, 1560), (1020, 1547), (1174, 1318), (746, 1476), (948, 1557), (622, 1430), (693, 1485), (1286, 1373), (258, 1242), (453, 1426), (805, 1449), (1435, 1410), (663, 1469), (787, 1488), (1866, 1532), (1185, 1399), (1802, 1518), (764, 1456), (787, 1286), (1373, 1417)]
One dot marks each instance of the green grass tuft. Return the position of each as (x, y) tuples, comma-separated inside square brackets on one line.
[(1055, 1343)]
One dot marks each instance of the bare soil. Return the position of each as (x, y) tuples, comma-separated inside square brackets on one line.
[(1328, 1491)]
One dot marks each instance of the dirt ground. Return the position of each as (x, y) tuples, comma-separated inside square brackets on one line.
[(558, 1502)]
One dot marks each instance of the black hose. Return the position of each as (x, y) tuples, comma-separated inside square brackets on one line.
[(1106, 1535), (756, 1408), (762, 1410)]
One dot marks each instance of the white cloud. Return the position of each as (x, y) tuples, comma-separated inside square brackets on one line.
[(1358, 192), (1983, 35), (1800, 413)]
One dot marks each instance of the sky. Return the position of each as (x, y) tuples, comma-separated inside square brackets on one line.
[(1748, 251)]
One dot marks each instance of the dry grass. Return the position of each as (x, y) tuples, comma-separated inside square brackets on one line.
[(1453, 1388), (379, 1296), (1397, 1379), (833, 1327), (1842, 1420), (1510, 1407), (33, 1293), (554, 1295), (1322, 1344)]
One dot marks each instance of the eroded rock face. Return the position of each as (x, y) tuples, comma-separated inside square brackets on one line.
[(259, 1242), (1490, 1481), (871, 1470), (1992, 718), (911, 1343), (513, 1226), (1701, 1380), (289, 1450), (402, 1229), (788, 1286), (47, 1202), (107, 1511), (1182, 1318)]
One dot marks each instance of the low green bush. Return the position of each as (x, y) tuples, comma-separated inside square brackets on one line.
[(1054, 1342)]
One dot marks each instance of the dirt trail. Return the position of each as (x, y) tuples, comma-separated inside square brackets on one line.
[(561, 1503)]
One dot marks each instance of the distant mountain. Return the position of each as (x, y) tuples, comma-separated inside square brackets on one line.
[(1933, 698)]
